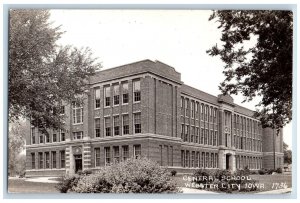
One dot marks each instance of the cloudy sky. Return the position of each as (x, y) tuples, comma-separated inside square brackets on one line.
[(178, 38)]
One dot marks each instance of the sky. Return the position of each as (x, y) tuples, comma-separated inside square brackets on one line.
[(178, 38)]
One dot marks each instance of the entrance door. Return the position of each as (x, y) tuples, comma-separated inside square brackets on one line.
[(227, 161), (78, 163)]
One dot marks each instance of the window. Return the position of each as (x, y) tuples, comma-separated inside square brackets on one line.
[(47, 157), (186, 107), (77, 135), (107, 96), (137, 91), (211, 114), (197, 160), (193, 109), (77, 113), (62, 159), (193, 159), (171, 156), (116, 94), (202, 111), (161, 154), (197, 110), (62, 110), (197, 135), (202, 136), (207, 160), (206, 136), (125, 150), (116, 125), (41, 160), (186, 139), (192, 134), (47, 138), (32, 135), (203, 160), (181, 103), (107, 126), (54, 138), (97, 97), (62, 135), (187, 159), (215, 138), (32, 160), (125, 124), (137, 123), (212, 160), (41, 137), (182, 158), (206, 113), (116, 154), (97, 157), (182, 131), (107, 155), (97, 127), (53, 159), (211, 137), (125, 93), (137, 151)]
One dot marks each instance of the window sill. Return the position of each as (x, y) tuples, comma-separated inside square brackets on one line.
[(77, 123)]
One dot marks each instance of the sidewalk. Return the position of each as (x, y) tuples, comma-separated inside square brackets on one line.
[(42, 180)]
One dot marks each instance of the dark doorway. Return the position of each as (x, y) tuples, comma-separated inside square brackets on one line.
[(78, 163), (227, 161)]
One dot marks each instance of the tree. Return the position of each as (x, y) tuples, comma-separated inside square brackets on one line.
[(16, 142), (287, 154), (262, 70), (42, 75)]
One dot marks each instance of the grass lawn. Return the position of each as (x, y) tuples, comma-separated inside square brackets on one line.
[(22, 186)]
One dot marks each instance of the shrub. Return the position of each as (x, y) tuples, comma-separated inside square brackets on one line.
[(203, 176), (66, 183), (261, 172), (86, 172), (132, 176), (270, 171), (173, 173), (246, 171), (253, 172), (279, 170)]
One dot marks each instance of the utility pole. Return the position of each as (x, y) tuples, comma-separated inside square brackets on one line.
[(274, 139)]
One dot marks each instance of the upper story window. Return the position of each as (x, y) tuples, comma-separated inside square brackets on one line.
[(62, 135), (107, 96), (137, 123), (192, 109), (181, 103), (77, 135), (211, 114), (186, 107), (41, 137), (116, 125), (202, 111), (107, 126), (137, 90), (77, 113), (125, 97), (116, 94), (97, 97), (54, 137), (97, 127), (47, 138), (206, 112), (125, 124), (215, 115), (62, 110), (32, 135)]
